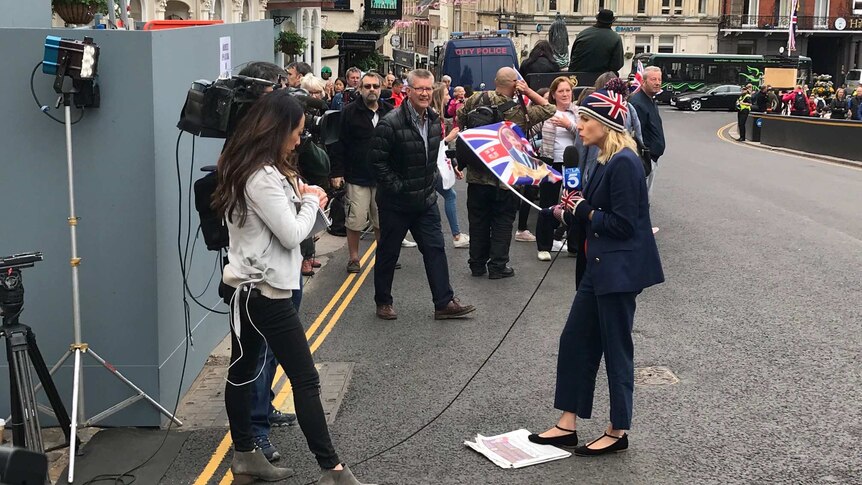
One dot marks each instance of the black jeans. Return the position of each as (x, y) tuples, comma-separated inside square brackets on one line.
[(426, 231), (279, 323), (741, 118), (491, 212), (549, 194)]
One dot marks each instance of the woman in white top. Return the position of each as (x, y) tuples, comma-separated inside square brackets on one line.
[(558, 132), (269, 212)]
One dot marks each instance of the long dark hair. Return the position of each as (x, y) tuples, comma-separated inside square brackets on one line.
[(259, 140), (541, 49)]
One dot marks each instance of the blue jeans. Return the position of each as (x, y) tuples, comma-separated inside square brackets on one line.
[(450, 207), (261, 391)]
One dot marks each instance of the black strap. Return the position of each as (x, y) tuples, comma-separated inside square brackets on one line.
[(501, 108)]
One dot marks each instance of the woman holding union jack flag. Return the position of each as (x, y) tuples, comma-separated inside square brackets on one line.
[(622, 260)]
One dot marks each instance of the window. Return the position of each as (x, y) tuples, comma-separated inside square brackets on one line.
[(341, 4), (745, 47), (641, 6), (576, 6), (665, 44), (643, 44), (552, 5), (701, 7), (677, 7), (665, 7)]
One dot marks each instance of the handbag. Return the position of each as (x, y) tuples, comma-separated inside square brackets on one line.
[(444, 166)]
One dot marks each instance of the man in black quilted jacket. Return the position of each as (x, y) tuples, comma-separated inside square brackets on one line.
[(404, 157)]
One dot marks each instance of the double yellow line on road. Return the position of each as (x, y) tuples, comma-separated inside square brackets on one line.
[(282, 394)]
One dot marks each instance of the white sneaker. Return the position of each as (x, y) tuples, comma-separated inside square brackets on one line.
[(558, 245), (655, 230), (544, 256), (406, 243), (463, 241), (525, 236)]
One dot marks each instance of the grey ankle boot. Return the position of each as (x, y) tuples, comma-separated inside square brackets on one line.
[(339, 477), (248, 466)]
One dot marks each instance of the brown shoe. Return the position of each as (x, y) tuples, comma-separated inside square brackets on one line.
[(386, 312), (307, 268), (453, 310)]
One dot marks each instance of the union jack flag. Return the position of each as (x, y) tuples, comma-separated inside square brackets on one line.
[(615, 101), (794, 18), (521, 78), (513, 165), (638, 80)]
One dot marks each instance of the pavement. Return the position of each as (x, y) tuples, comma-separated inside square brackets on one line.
[(759, 322)]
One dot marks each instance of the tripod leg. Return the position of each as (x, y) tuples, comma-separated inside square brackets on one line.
[(17, 424), (50, 389), (28, 402), (73, 426), (137, 389)]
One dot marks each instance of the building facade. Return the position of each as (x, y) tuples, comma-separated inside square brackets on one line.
[(828, 31), (682, 26)]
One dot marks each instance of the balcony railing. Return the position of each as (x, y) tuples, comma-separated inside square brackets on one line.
[(770, 22)]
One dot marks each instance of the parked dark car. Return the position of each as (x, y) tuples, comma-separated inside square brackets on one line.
[(709, 97)]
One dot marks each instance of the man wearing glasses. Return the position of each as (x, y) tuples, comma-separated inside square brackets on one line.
[(351, 164), (404, 156)]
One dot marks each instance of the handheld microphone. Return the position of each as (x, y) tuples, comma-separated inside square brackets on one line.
[(571, 171)]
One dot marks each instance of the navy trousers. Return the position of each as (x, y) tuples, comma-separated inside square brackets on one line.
[(426, 231), (597, 325)]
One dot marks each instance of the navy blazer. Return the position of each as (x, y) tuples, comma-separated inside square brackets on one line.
[(622, 255)]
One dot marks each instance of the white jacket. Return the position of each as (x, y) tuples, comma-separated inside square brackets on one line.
[(267, 245)]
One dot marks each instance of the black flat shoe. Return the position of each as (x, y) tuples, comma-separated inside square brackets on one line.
[(565, 441), (621, 444)]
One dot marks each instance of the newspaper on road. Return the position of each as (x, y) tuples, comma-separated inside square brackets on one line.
[(514, 450)]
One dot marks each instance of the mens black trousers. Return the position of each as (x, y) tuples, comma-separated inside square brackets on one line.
[(741, 118), (491, 212), (426, 231), (598, 325)]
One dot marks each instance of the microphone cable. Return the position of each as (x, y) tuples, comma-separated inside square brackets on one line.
[(469, 381)]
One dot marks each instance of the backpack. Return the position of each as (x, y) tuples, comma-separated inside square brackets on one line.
[(799, 104), (486, 113)]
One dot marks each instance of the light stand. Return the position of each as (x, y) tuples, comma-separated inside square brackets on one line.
[(72, 60)]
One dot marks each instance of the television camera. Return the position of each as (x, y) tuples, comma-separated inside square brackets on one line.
[(214, 108)]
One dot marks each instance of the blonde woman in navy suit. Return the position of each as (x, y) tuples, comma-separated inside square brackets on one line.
[(622, 260)]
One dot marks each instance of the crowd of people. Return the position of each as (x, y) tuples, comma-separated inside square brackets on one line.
[(800, 101), (391, 131)]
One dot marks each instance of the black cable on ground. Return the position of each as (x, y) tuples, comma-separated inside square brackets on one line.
[(469, 381)]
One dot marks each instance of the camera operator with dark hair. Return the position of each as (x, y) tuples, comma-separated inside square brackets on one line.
[(269, 212), (295, 72), (350, 162)]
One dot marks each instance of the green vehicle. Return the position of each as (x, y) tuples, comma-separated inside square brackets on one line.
[(690, 72)]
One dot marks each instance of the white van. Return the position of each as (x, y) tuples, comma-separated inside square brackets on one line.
[(853, 79)]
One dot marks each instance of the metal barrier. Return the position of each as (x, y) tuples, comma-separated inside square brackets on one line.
[(834, 138)]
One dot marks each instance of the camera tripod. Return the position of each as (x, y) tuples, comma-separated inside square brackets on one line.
[(23, 354)]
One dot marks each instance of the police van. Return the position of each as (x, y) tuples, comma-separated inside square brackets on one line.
[(473, 58)]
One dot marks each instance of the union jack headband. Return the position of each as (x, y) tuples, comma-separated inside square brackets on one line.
[(608, 108)]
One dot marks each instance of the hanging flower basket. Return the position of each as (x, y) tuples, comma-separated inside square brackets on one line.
[(291, 43), (78, 12), (328, 39)]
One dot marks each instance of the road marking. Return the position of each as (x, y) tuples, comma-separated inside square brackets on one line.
[(221, 451), (722, 136), (279, 372)]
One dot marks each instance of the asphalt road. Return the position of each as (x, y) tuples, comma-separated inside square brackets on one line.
[(760, 318)]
